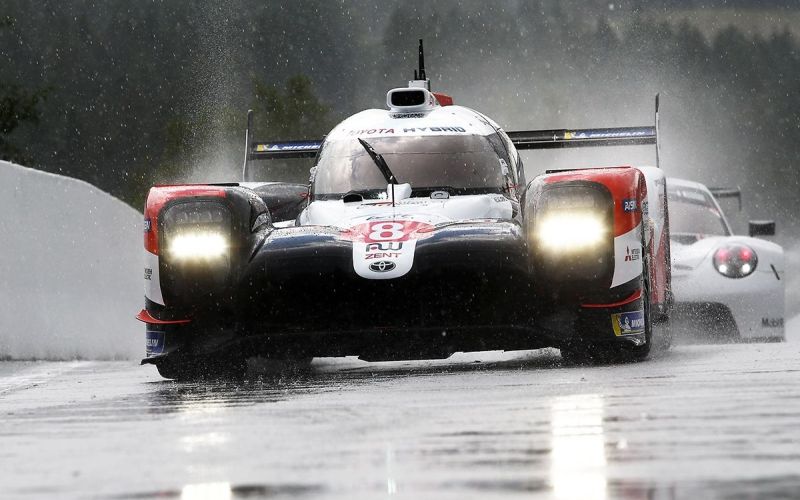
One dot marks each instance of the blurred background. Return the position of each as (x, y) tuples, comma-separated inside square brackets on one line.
[(125, 94)]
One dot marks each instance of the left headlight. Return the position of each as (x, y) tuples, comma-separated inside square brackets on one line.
[(197, 231), (735, 261), (567, 231)]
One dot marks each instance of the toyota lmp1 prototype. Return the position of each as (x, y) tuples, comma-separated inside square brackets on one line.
[(418, 236), (727, 287)]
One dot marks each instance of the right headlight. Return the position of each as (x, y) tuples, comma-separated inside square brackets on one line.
[(197, 231), (735, 260)]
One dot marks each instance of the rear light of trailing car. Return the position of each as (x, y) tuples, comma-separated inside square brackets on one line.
[(735, 260)]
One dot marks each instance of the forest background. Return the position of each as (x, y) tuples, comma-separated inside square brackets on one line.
[(125, 94)]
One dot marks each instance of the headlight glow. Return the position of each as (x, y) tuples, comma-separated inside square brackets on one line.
[(206, 245), (566, 231)]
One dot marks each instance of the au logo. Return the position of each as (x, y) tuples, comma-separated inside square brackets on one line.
[(383, 266)]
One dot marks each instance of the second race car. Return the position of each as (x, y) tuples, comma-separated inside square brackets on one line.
[(727, 287)]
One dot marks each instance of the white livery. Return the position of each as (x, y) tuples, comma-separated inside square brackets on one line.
[(731, 287)]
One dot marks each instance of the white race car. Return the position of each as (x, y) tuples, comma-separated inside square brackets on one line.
[(726, 287)]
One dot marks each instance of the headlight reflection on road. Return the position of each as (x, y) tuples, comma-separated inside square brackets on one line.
[(578, 461), (207, 491)]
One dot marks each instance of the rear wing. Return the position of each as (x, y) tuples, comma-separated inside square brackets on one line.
[(719, 193), (279, 150), (527, 139), (566, 138)]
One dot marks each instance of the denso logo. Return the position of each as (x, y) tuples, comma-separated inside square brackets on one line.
[(383, 266)]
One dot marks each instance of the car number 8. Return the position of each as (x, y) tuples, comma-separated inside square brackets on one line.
[(386, 231)]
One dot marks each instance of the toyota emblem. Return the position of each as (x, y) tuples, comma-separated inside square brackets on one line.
[(383, 266)]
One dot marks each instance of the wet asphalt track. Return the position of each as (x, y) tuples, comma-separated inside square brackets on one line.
[(700, 422)]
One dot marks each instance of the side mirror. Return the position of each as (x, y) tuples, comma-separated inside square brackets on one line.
[(762, 227)]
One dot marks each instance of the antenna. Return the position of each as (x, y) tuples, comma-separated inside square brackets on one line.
[(658, 138), (420, 81), (421, 62)]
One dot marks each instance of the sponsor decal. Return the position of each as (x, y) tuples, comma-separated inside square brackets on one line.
[(288, 147), (408, 115), (148, 225), (382, 255), (628, 323), (631, 255), (371, 131), (434, 129), (148, 273), (772, 322), (386, 246), (154, 343), (382, 266), (629, 205)]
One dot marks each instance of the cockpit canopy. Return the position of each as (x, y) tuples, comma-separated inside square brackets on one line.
[(460, 164)]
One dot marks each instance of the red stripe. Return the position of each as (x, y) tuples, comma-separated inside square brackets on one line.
[(145, 317), (634, 296)]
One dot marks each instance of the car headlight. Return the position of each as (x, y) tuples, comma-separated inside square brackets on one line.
[(198, 231), (570, 231), (198, 245), (735, 261)]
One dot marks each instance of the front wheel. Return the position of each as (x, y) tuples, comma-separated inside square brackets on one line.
[(620, 350), (190, 368)]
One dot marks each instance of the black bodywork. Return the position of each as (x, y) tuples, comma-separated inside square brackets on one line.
[(292, 293)]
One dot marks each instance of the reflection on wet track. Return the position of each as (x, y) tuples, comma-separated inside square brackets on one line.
[(700, 422), (578, 447)]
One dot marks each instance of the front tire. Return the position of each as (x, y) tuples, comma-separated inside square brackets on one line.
[(191, 368), (619, 351)]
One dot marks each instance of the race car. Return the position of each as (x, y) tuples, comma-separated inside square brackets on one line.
[(727, 287), (417, 236)]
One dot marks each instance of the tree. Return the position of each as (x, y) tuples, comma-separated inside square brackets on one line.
[(17, 106)]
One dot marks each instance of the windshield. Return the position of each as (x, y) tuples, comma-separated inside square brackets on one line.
[(463, 164), (692, 211)]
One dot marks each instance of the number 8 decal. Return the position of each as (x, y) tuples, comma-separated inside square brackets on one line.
[(386, 231)]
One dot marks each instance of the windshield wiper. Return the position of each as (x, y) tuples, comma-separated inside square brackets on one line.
[(380, 162)]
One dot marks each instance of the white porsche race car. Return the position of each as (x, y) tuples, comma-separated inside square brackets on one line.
[(726, 287)]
